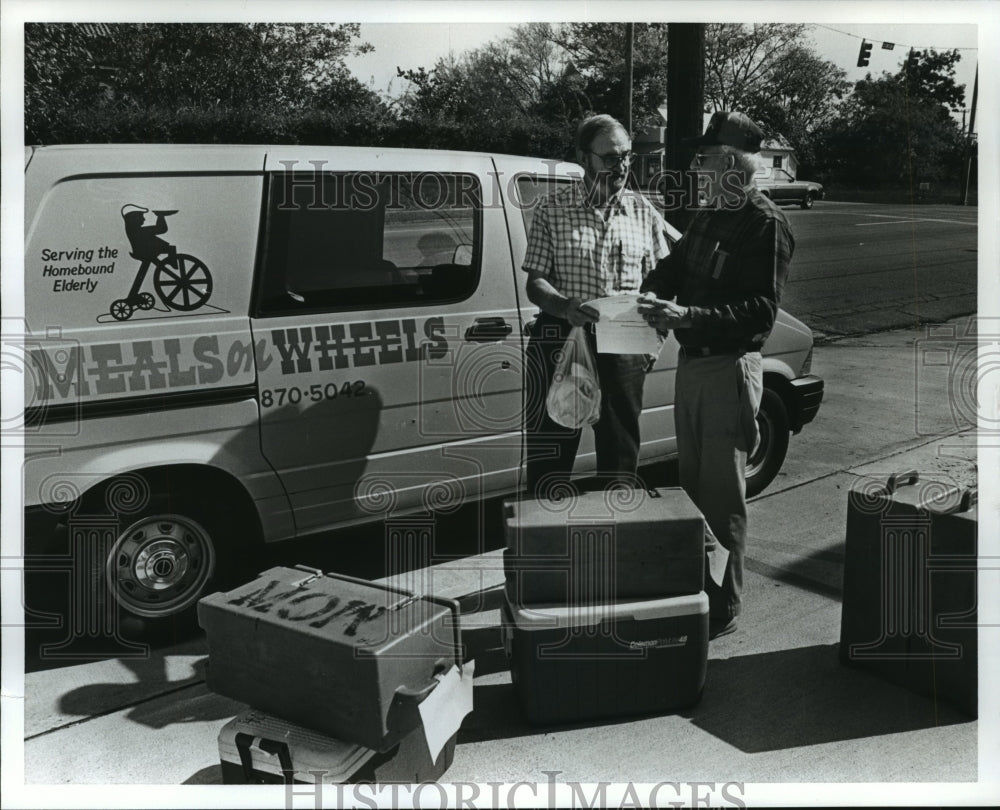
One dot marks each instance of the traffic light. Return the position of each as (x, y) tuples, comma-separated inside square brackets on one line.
[(864, 54)]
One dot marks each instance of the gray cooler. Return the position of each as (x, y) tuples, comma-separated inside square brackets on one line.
[(347, 657), (605, 546)]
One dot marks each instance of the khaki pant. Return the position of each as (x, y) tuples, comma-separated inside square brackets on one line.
[(715, 410)]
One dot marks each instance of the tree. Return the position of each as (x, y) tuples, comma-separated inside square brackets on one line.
[(768, 72), (216, 81), (898, 129), (596, 52), (741, 60)]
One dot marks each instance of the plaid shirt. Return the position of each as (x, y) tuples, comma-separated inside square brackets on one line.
[(729, 268), (585, 256)]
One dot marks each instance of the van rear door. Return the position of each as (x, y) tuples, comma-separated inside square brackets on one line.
[(391, 375)]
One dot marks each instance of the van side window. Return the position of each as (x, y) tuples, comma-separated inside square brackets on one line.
[(531, 188), (366, 240)]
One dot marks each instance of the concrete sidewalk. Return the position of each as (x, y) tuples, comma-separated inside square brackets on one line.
[(777, 706)]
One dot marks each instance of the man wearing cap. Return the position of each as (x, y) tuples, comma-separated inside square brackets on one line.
[(719, 291), (585, 243)]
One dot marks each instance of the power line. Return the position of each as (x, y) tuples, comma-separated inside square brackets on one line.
[(899, 44)]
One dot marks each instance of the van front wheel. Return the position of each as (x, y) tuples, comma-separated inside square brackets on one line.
[(768, 454)]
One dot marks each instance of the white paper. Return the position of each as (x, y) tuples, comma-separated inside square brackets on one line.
[(443, 710), (621, 329), (717, 559)]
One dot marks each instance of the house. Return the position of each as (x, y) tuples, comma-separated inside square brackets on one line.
[(777, 153), (649, 147)]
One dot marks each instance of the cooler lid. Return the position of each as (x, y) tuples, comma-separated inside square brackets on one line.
[(307, 750), (604, 506), (332, 605), (549, 617)]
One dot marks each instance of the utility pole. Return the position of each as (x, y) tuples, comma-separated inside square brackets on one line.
[(629, 61), (685, 106), (967, 161)]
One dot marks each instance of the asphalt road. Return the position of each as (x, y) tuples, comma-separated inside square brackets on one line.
[(863, 268)]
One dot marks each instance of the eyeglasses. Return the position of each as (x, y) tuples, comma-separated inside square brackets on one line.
[(613, 159), (699, 159)]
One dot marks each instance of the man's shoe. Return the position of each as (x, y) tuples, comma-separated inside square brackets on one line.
[(721, 627)]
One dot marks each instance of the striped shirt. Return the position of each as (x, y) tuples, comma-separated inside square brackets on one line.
[(583, 255)]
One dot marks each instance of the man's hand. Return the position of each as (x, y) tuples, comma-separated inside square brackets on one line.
[(663, 315), (579, 313)]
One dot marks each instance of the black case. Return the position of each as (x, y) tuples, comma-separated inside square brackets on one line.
[(606, 546), (344, 656), (573, 663), (909, 610)]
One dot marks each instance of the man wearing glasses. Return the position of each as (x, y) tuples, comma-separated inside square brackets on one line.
[(719, 291), (587, 243)]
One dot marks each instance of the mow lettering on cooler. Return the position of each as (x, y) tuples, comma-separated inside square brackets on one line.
[(265, 600)]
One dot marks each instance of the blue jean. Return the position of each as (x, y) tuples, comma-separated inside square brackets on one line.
[(551, 448)]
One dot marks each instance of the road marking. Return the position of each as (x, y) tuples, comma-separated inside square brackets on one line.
[(892, 216), (898, 221)]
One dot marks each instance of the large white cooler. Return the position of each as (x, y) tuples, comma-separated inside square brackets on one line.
[(579, 662)]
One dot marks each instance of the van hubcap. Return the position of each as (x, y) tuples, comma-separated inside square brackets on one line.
[(160, 565)]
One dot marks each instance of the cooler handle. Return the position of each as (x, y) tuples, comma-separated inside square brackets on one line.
[(271, 747), (441, 666), (357, 581), (905, 478)]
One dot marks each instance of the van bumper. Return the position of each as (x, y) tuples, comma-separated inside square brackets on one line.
[(804, 399)]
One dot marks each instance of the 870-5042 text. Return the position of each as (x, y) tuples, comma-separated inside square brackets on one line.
[(314, 393)]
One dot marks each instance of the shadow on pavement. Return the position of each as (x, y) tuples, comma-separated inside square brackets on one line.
[(187, 700), (484, 644), (757, 703), (794, 698), (212, 775), (820, 572)]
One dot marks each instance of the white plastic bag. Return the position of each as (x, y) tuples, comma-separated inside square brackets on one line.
[(574, 397)]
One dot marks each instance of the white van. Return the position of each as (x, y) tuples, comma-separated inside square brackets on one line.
[(234, 344)]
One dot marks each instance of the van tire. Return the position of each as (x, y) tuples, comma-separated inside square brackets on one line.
[(166, 555), (768, 455)]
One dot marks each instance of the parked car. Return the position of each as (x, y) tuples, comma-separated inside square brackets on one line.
[(230, 345), (782, 188)]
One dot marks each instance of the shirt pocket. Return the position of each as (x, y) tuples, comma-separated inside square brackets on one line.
[(720, 264), (629, 265)]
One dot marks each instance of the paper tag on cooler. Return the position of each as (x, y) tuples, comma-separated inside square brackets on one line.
[(444, 709), (718, 556)]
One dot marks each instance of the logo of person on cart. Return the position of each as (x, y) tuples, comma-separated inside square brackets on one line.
[(182, 282)]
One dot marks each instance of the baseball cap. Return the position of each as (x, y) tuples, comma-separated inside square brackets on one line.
[(730, 129)]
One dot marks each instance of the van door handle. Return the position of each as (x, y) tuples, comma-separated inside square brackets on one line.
[(488, 330)]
